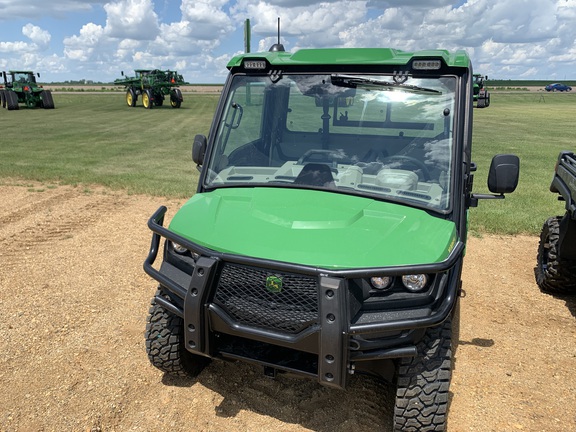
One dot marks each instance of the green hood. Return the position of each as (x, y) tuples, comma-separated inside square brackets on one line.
[(314, 228)]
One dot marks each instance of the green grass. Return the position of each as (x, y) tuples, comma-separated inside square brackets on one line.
[(96, 138), (535, 127)]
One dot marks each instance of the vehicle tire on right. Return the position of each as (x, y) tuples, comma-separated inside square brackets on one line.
[(47, 99), (554, 275), (176, 98)]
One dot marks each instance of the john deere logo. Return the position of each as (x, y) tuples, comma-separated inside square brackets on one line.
[(274, 284)]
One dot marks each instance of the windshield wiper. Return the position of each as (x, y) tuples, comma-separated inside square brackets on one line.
[(352, 81)]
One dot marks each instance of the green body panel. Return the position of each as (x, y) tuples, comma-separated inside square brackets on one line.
[(353, 56), (314, 228)]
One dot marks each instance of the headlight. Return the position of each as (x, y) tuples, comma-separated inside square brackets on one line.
[(415, 282), (381, 282), (179, 249)]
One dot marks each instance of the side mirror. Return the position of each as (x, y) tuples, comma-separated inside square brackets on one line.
[(504, 173), (199, 149)]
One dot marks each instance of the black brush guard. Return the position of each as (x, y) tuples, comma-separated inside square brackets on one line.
[(321, 329)]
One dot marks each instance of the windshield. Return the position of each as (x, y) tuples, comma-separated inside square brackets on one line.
[(23, 77), (368, 135)]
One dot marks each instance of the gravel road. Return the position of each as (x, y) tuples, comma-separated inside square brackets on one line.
[(74, 300)]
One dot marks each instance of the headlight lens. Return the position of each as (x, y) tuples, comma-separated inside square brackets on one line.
[(381, 282), (415, 282), (179, 249)]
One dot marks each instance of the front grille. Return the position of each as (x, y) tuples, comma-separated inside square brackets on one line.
[(269, 300)]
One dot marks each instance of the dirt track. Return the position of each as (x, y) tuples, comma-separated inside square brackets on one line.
[(74, 300)]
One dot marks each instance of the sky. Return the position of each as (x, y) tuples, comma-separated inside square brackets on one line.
[(95, 40)]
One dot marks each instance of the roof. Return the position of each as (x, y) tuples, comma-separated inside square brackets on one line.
[(353, 56)]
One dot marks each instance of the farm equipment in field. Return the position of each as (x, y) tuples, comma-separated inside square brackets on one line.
[(481, 94), (153, 85), (21, 87), (556, 260)]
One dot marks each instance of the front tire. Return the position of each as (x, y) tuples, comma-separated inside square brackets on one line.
[(553, 274), (147, 99), (131, 98), (423, 382), (165, 343)]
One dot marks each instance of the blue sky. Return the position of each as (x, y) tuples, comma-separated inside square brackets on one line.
[(96, 39)]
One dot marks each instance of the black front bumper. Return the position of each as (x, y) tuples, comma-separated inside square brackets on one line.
[(329, 346)]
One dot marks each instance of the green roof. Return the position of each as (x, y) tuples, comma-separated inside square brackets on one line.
[(353, 56)]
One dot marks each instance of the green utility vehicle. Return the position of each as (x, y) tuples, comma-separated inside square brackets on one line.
[(21, 87), (481, 93), (154, 85), (328, 231), (556, 260)]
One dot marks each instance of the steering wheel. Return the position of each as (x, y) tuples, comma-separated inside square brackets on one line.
[(407, 162), (318, 156)]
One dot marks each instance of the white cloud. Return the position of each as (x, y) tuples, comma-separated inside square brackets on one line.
[(38, 36), (39, 40), (15, 47), (82, 47), (12, 9), (516, 38), (131, 19)]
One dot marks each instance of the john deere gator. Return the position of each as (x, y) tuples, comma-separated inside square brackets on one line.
[(327, 234)]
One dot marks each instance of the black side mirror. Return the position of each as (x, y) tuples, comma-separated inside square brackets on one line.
[(199, 149), (504, 173)]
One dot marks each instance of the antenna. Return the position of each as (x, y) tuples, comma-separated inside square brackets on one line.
[(277, 46)]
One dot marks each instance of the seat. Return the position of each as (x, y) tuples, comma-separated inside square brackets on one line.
[(315, 174)]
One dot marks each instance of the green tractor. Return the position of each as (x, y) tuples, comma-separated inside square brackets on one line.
[(21, 87), (481, 94), (154, 85)]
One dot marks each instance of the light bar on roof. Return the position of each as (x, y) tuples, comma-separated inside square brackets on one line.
[(426, 64), (254, 64)]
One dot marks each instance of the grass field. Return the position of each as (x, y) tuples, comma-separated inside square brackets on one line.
[(535, 127), (96, 138)]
